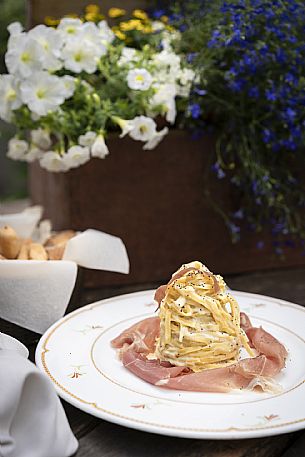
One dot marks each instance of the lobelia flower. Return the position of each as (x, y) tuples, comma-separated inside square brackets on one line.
[(87, 139), (9, 96), (155, 140), (99, 148), (50, 42), (53, 161), (17, 149), (23, 57), (41, 138), (43, 92), (139, 79), (76, 156)]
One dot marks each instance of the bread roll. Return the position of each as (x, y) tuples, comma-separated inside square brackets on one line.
[(37, 252), (10, 243), (60, 238)]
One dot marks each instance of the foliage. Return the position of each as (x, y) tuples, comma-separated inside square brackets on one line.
[(73, 81), (250, 55)]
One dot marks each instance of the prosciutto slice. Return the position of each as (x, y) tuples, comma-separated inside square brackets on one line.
[(138, 341)]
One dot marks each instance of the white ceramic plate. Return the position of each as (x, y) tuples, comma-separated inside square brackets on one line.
[(76, 355)]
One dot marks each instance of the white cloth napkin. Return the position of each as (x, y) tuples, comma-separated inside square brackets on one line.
[(32, 419)]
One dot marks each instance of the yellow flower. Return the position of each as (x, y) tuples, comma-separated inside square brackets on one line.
[(119, 34), (48, 20), (140, 14), (116, 12), (93, 9), (93, 17), (164, 19), (133, 24), (147, 29)]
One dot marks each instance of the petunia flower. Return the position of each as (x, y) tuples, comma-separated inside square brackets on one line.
[(99, 148), (139, 79)]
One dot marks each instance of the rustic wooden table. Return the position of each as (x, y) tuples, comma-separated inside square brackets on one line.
[(103, 439)]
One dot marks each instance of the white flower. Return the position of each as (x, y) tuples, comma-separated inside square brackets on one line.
[(144, 128), (23, 57), (33, 154), (186, 76), (15, 28), (69, 83), (124, 124), (155, 140), (169, 38), (43, 93), (17, 149), (105, 32), (81, 55), (99, 148), (50, 42), (41, 138), (69, 27), (87, 139), (139, 79), (76, 156), (9, 96), (167, 59), (128, 55), (92, 34), (157, 26), (53, 161), (165, 96)]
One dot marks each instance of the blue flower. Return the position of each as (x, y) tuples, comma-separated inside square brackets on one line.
[(158, 13), (237, 85), (289, 114), (260, 244), (238, 214), (270, 95), (235, 231), (199, 91), (216, 35), (253, 92), (191, 56), (195, 110), (218, 170), (183, 27), (267, 135)]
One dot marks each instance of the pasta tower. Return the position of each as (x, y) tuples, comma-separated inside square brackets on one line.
[(199, 321)]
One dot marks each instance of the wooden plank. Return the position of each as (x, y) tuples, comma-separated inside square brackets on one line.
[(156, 203), (39, 9), (297, 449), (114, 441), (287, 284)]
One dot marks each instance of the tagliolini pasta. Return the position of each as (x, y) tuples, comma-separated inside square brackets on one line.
[(199, 321)]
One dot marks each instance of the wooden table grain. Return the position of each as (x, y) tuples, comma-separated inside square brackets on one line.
[(98, 438)]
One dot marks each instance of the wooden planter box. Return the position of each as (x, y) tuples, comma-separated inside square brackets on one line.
[(155, 201)]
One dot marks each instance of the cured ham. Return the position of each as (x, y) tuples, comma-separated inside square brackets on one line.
[(137, 343)]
